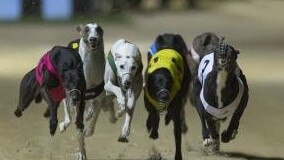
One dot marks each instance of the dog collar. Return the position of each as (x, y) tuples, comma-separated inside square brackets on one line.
[(111, 62), (173, 62), (227, 111)]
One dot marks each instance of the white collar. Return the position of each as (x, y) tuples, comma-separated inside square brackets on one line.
[(226, 111)]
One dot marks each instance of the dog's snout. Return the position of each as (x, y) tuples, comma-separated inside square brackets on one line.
[(164, 96), (93, 39), (127, 83)]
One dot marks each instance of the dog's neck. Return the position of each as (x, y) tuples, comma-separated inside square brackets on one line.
[(94, 63)]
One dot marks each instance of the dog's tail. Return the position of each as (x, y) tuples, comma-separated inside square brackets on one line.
[(28, 90), (38, 98)]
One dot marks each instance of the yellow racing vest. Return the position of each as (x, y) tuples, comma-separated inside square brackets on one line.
[(173, 62)]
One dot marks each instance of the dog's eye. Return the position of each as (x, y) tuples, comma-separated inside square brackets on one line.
[(121, 67), (86, 29), (133, 68)]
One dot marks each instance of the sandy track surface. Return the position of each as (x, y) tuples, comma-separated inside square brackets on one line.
[(255, 28)]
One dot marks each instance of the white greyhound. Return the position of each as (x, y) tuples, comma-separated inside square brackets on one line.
[(124, 80), (91, 49)]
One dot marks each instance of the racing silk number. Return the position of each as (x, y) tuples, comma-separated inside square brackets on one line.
[(205, 67)]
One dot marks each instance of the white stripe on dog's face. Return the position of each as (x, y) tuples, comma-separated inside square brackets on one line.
[(92, 34), (127, 61)]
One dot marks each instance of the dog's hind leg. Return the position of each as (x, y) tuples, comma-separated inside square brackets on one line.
[(108, 103), (97, 105), (28, 91), (67, 118)]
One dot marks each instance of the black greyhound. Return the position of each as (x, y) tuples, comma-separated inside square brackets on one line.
[(221, 92), (59, 73), (167, 81)]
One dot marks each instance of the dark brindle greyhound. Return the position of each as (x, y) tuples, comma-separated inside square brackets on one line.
[(59, 74), (167, 81), (221, 92)]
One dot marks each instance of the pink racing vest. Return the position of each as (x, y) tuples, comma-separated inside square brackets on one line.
[(57, 93)]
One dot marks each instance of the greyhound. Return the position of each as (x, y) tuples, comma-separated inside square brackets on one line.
[(124, 80), (221, 92), (91, 49), (59, 74), (167, 80)]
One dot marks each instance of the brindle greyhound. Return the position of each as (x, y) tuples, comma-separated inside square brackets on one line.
[(58, 74), (221, 92)]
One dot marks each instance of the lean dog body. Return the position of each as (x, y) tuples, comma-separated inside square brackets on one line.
[(91, 49), (59, 74), (167, 82), (124, 80), (221, 92)]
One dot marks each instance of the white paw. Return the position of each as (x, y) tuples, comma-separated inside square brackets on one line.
[(88, 132), (80, 156), (119, 113), (207, 142), (62, 127)]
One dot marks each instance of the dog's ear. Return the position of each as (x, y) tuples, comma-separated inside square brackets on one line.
[(237, 51), (159, 40), (117, 55), (179, 43), (100, 31), (79, 28)]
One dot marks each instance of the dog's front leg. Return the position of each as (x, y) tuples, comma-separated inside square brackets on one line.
[(110, 87), (153, 120), (177, 132), (128, 117), (67, 119), (214, 128), (80, 127), (232, 129)]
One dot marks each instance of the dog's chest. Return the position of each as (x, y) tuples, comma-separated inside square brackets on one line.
[(93, 65)]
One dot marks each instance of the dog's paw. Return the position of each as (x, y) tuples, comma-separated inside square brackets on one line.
[(119, 113), (53, 127), (88, 132), (207, 142), (215, 145), (18, 113), (227, 137), (80, 156), (154, 135), (46, 114), (123, 139), (62, 127), (112, 119)]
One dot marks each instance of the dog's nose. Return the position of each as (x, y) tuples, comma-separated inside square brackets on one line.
[(127, 84), (164, 97), (93, 39)]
